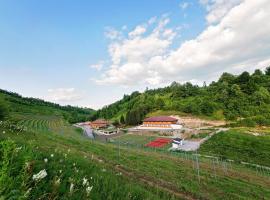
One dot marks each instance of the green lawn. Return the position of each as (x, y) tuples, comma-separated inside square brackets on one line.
[(134, 139), (240, 146)]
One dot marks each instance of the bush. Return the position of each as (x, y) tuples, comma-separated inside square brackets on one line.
[(247, 122), (261, 120)]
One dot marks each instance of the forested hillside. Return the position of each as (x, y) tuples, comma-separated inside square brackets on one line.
[(244, 97), (13, 103)]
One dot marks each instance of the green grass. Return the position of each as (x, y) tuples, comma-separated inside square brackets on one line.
[(134, 139), (240, 146), (145, 174)]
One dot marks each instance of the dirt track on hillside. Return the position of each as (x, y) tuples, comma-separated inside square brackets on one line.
[(195, 122)]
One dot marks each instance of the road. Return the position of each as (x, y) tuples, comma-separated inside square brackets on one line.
[(87, 130)]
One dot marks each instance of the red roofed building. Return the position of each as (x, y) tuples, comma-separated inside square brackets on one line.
[(160, 122), (99, 123)]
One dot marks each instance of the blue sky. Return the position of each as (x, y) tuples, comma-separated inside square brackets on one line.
[(86, 52)]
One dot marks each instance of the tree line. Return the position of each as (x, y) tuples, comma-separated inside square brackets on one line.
[(243, 98)]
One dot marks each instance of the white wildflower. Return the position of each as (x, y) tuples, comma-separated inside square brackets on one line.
[(60, 171), (88, 190), (58, 181), (104, 170), (46, 160), (27, 192), (119, 174), (85, 181), (52, 155), (71, 188), (74, 164), (68, 150), (18, 149), (4, 132), (91, 177), (40, 175)]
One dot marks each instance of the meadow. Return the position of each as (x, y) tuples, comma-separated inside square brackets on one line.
[(117, 172), (239, 145)]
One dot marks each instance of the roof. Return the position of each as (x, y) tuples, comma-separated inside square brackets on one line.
[(100, 121), (177, 139), (160, 119)]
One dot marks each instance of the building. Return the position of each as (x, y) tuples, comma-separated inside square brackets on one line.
[(176, 143), (99, 123), (160, 122)]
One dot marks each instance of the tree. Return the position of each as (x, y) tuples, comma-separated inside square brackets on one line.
[(160, 103), (227, 77), (122, 119), (267, 71), (3, 110)]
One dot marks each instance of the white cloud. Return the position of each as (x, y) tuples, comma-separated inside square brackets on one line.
[(139, 30), (217, 9), (63, 95), (112, 33), (98, 66), (239, 41), (184, 5)]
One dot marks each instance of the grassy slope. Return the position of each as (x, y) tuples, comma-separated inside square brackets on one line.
[(53, 137), (125, 173), (145, 175), (240, 146), (18, 105)]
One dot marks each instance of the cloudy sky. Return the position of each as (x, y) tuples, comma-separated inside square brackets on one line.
[(91, 53)]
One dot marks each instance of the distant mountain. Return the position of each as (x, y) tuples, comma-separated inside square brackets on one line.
[(15, 103), (245, 97)]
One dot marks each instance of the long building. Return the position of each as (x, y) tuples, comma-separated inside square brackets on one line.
[(160, 121), (99, 123)]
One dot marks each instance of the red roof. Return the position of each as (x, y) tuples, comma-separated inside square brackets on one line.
[(100, 121), (160, 119)]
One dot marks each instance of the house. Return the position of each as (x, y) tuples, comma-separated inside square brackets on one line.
[(99, 123), (160, 122), (176, 143)]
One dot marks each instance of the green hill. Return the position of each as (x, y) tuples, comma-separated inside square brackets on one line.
[(16, 105), (42, 156), (245, 96)]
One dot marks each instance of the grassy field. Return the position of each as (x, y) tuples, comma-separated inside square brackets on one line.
[(117, 172), (239, 145), (134, 139), (138, 141)]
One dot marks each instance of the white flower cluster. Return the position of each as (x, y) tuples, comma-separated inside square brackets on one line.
[(71, 188), (42, 174), (88, 188)]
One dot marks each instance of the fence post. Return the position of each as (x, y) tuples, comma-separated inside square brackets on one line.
[(198, 167)]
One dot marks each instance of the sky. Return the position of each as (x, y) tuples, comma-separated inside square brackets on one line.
[(91, 53)]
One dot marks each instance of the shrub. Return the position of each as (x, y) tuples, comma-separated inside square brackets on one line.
[(261, 120), (247, 122)]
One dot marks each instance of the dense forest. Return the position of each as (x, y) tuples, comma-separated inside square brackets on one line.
[(243, 98), (14, 103)]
